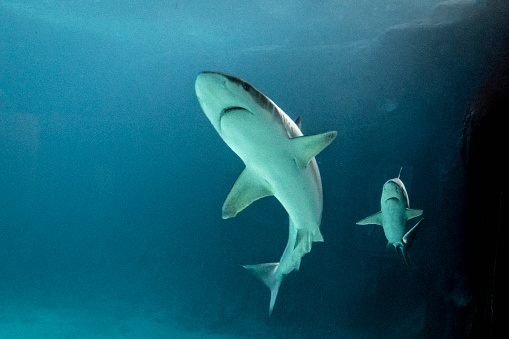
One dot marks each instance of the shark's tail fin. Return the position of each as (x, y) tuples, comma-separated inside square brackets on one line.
[(408, 240), (267, 274), (401, 249)]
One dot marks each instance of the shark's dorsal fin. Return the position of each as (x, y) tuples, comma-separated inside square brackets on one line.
[(411, 213), (309, 146), (248, 188), (298, 122), (375, 219), (400, 169)]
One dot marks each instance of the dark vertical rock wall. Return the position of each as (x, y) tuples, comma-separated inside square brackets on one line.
[(485, 153), (448, 78)]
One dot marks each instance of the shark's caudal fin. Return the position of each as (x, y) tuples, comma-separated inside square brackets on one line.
[(267, 274), (408, 240), (401, 249)]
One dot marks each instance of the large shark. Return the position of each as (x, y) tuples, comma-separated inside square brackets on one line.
[(279, 161), (394, 214)]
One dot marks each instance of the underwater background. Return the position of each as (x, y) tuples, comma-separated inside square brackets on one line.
[(112, 178)]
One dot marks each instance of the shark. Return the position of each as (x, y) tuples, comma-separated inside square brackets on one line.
[(393, 216), (279, 161)]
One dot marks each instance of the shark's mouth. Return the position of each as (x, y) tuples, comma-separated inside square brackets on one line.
[(231, 109), (393, 198)]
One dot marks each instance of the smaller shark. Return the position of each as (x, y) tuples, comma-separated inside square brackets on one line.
[(395, 212)]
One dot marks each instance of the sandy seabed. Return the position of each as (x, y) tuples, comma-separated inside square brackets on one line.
[(106, 319)]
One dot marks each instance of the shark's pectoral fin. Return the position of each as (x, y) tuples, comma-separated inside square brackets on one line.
[(375, 219), (411, 213), (267, 274), (309, 146), (408, 238), (248, 188)]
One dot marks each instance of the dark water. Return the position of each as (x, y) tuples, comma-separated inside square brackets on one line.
[(112, 178)]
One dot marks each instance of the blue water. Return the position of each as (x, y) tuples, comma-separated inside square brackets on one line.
[(112, 179)]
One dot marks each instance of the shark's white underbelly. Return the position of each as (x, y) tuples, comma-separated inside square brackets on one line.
[(297, 191), (393, 220), (267, 150)]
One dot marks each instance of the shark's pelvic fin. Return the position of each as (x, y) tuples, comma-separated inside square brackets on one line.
[(248, 188), (317, 236), (309, 146), (307, 238), (267, 274), (302, 238), (304, 241), (411, 213), (375, 219)]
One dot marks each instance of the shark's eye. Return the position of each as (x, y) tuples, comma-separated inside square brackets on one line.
[(245, 86)]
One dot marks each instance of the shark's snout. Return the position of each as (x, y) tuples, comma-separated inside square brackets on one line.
[(204, 82)]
